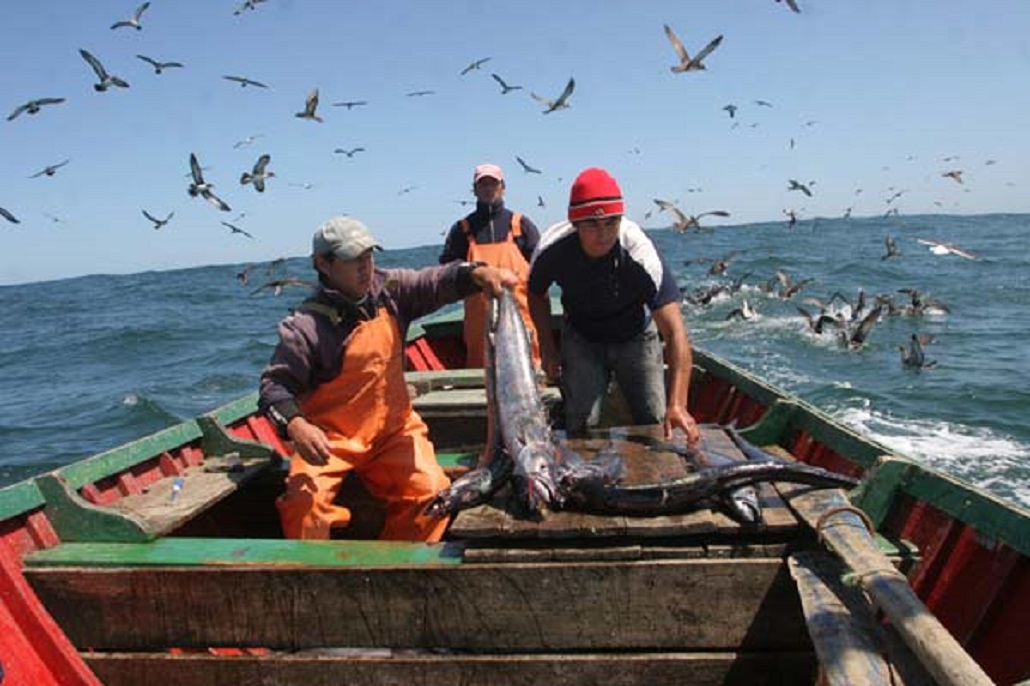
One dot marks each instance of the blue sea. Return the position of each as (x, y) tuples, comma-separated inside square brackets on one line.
[(90, 363)]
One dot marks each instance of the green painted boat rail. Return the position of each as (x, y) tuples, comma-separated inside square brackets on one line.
[(200, 552), (888, 475)]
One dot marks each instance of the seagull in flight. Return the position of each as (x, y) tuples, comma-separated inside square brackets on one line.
[(277, 285), (762, 103), (246, 141), (540, 201), (310, 105), (244, 81), (49, 170), (525, 167), (160, 66), (561, 103), (797, 186), (416, 94), (202, 188), (8, 216), (474, 65), (134, 20), (940, 248), (104, 80), (235, 229), (732, 109), (505, 88), (348, 153), (686, 63), (954, 174), (247, 5), (793, 6), (258, 175), (158, 223), (350, 104), (33, 106)]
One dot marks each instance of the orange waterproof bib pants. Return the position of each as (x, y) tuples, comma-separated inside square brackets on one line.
[(367, 416), (504, 255)]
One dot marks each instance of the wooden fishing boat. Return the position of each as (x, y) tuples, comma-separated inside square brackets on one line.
[(162, 562)]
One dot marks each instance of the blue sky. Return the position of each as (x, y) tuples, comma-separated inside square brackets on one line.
[(892, 88)]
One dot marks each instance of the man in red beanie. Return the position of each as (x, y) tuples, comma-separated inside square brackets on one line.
[(496, 236), (618, 297)]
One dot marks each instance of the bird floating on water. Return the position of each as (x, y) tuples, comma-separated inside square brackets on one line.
[(104, 80), (892, 248), (33, 106), (686, 62), (158, 223), (310, 105), (202, 188), (561, 103), (49, 170), (160, 66), (913, 356), (134, 20), (258, 174)]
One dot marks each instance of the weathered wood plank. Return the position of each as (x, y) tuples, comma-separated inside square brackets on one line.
[(201, 489), (853, 648), (846, 535), (329, 669), (655, 605)]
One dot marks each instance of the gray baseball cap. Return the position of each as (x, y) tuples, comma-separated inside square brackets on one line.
[(345, 237)]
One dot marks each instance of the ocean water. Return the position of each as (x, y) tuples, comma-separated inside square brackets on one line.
[(90, 363)]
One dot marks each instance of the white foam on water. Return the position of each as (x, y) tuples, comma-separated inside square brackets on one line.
[(130, 400), (977, 455)]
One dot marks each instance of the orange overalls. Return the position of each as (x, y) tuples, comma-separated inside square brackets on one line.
[(505, 254), (367, 416)]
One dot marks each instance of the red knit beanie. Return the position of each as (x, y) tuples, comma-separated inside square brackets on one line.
[(595, 194)]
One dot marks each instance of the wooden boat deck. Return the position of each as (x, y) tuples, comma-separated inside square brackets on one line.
[(501, 521)]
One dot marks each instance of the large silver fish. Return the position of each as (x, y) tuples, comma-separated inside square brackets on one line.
[(522, 419), (494, 467), (519, 446), (597, 496)]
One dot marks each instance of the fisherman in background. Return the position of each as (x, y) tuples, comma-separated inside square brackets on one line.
[(618, 295), (495, 235), (335, 385)]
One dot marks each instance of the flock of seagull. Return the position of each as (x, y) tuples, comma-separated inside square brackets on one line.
[(260, 173), (849, 321)]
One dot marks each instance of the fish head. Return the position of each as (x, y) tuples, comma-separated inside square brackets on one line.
[(742, 505), (534, 476)]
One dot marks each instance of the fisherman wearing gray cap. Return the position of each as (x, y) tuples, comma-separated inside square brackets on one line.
[(335, 385)]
